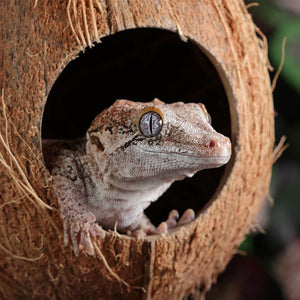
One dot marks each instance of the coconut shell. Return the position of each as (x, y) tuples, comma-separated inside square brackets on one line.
[(39, 39)]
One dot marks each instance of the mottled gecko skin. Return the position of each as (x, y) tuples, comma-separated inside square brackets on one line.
[(131, 154)]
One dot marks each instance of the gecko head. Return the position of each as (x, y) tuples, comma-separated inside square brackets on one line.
[(135, 140)]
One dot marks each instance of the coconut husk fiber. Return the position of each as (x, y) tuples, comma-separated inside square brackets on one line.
[(38, 40)]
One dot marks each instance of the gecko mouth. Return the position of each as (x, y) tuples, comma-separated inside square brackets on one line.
[(209, 156)]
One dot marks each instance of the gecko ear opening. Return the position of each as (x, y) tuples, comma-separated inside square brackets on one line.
[(140, 65)]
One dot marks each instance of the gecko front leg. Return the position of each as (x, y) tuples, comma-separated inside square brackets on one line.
[(79, 223)]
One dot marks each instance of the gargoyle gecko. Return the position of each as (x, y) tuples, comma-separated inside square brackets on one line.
[(131, 154)]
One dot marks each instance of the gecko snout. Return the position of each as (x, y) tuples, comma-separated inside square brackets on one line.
[(221, 146), (222, 142)]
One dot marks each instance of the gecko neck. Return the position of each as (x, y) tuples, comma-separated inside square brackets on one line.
[(107, 192), (146, 189), (135, 190)]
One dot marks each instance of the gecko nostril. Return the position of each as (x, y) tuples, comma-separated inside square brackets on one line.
[(212, 144)]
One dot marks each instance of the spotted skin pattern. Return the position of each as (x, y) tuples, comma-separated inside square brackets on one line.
[(107, 179)]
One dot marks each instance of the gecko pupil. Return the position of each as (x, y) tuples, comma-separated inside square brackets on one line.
[(150, 124)]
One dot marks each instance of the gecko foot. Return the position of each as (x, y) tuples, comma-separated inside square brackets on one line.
[(81, 231), (188, 216)]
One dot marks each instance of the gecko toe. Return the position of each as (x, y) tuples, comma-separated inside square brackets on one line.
[(172, 218), (74, 231), (74, 239), (161, 228), (187, 217), (66, 234), (97, 231), (86, 243)]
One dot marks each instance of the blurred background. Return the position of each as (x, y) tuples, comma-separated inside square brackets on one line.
[(271, 268)]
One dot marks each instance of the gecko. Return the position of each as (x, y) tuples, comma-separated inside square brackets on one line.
[(131, 154)]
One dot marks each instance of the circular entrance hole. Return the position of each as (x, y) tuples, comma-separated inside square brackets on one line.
[(140, 65)]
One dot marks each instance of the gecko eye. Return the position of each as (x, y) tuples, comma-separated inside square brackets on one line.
[(151, 123)]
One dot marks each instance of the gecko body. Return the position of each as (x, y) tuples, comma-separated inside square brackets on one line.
[(131, 154)]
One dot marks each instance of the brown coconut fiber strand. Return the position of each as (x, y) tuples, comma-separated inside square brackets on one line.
[(279, 149), (83, 21), (252, 4), (280, 65), (263, 42)]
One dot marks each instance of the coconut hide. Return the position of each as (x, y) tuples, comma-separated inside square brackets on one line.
[(39, 39)]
